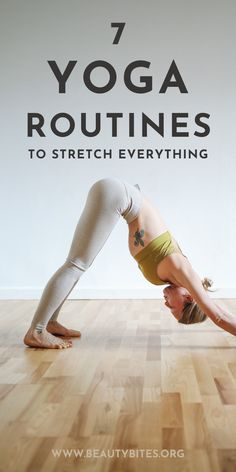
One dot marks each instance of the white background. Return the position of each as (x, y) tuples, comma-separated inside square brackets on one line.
[(41, 200)]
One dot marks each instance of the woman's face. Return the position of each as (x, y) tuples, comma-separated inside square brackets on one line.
[(175, 299)]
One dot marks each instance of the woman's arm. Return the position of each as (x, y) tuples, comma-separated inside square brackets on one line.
[(188, 278)]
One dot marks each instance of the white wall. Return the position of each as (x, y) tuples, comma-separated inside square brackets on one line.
[(41, 200)]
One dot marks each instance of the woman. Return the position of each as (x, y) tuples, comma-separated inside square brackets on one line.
[(150, 243)]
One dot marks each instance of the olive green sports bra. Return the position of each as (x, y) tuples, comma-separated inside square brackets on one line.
[(150, 256)]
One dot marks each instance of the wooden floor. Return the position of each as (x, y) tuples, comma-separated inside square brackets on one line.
[(136, 383)]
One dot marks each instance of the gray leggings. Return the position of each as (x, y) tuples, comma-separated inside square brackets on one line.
[(107, 200)]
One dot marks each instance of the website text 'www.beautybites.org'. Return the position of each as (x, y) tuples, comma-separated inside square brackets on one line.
[(117, 453)]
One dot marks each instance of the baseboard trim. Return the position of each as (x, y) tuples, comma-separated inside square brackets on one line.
[(34, 293)]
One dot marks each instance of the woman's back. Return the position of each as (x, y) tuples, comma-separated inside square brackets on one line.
[(147, 226)]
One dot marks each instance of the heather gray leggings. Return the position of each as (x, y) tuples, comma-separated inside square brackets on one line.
[(107, 200)]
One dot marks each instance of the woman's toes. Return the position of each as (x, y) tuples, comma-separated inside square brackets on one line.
[(64, 344)]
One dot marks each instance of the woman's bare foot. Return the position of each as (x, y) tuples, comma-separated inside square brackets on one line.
[(45, 339), (57, 329)]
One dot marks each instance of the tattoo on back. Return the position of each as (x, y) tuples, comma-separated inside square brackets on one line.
[(138, 235)]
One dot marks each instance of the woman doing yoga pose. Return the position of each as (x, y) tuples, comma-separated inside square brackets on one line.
[(150, 243)]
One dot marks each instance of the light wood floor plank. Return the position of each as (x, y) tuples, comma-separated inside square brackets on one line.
[(136, 382)]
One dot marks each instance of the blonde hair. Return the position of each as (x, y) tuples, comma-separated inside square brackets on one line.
[(206, 283), (191, 312)]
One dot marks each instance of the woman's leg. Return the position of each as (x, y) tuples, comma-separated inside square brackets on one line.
[(107, 200), (133, 208)]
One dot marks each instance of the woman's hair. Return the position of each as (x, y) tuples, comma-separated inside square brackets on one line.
[(191, 312)]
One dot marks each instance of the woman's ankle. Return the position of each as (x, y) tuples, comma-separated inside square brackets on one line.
[(38, 327)]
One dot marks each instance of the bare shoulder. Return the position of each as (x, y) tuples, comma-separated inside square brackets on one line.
[(187, 277), (172, 266), (177, 260), (179, 270)]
